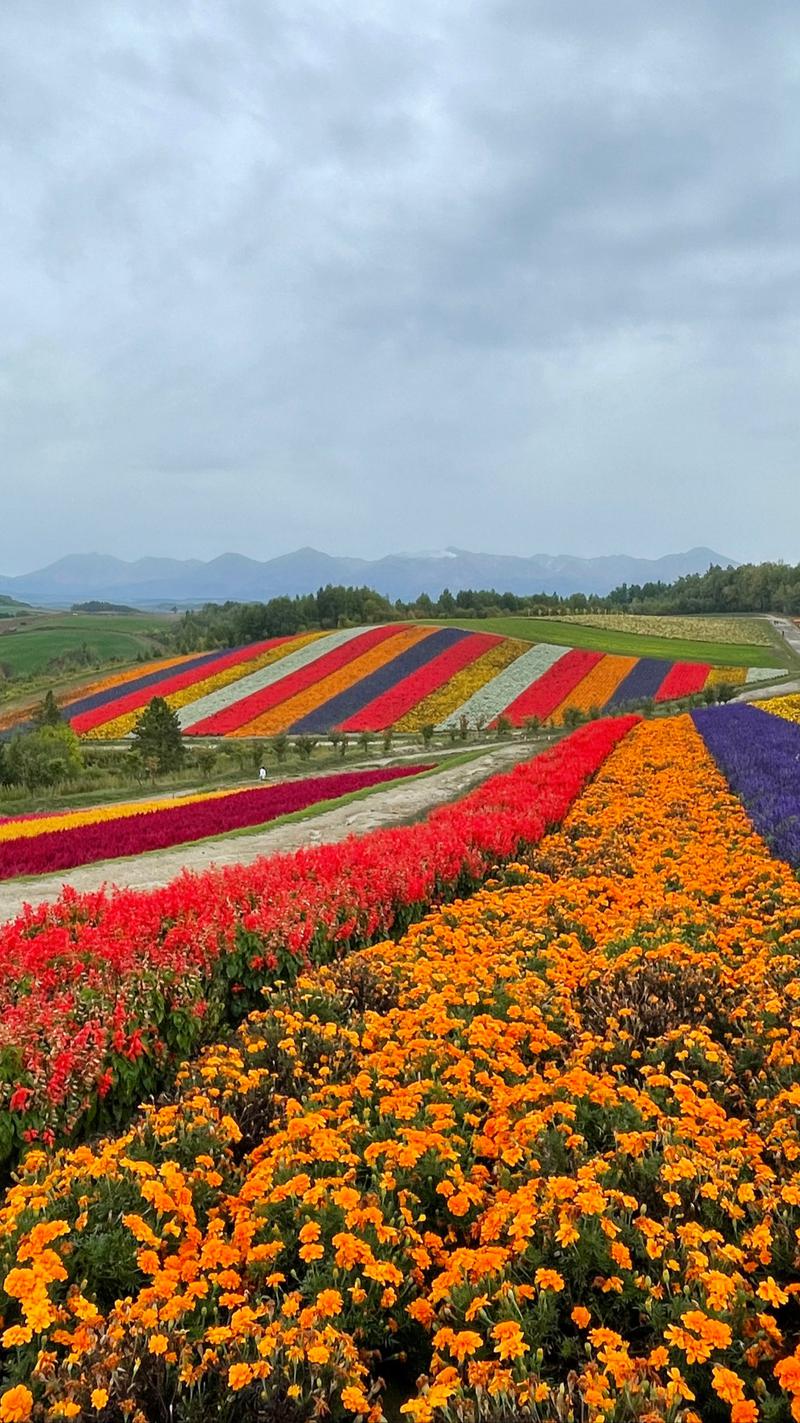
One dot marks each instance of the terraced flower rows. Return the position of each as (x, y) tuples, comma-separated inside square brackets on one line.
[(539, 1156), (368, 679)]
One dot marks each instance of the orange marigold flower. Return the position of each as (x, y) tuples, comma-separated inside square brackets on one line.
[(771, 1291), (239, 1376), (581, 1316), (549, 1280), (99, 1398), (727, 1385), (158, 1344), (510, 1343), (16, 1404)]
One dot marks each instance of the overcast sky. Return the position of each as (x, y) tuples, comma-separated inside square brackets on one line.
[(381, 275)]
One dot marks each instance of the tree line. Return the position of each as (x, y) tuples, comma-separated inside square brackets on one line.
[(750, 588)]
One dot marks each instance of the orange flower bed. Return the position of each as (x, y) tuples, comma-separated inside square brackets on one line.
[(545, 1147), (597, 688)]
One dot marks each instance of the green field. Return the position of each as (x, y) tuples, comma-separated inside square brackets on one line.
[(37, 642), (563, 634)]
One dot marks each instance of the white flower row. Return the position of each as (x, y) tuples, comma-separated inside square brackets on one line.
[(764, 674), (225, 697), (489, 701)]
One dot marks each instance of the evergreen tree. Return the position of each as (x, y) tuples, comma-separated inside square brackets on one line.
[(157, 737), (48, 713)]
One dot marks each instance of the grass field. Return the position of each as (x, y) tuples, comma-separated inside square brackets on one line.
[(37, 641), (564, 634)]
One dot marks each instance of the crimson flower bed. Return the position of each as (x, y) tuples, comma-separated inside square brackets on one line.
[(102, 994), (160, 827)]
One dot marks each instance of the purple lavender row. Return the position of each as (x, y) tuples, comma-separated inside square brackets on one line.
[(759, 754)]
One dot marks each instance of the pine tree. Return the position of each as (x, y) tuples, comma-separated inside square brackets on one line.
[(48, 713), (157, 737)]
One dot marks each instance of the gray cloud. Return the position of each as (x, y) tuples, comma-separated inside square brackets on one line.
[(510, 275)]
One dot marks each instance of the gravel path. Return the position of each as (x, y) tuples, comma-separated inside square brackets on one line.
[(408, 800), (791, 633)]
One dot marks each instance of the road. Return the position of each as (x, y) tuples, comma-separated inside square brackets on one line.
[(791, 634)]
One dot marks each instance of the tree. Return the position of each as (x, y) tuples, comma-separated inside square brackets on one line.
[(44, 757), (280, 746), (48, 713), (157, 737)]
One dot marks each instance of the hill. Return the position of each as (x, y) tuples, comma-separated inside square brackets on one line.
[(149, 581)]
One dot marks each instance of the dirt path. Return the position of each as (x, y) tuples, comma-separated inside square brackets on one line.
[(408, 800)]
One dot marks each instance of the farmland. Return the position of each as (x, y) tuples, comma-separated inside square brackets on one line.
[(518, 1108), (38, 646), (368, 679), (496, 1107)]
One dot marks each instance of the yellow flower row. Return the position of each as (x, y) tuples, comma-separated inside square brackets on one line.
[(786, 707), (124, 725), (732, 676), (281, 717), (700, 629), (596, 687), (95, 815), (436, 707)]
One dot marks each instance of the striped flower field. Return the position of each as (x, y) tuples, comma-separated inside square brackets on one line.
[(45, 844), (370, 678)]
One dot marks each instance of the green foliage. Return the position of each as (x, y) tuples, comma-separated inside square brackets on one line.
[(426, 732), (157, 738), (43, 757), (303, 747), (502, 727), (48, 713), (280, 747)]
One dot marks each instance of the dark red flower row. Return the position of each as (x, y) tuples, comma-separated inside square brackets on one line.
[(159, 828)]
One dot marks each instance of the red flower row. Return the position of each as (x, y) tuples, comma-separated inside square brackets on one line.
[(118, 702), (101, 994), (388, 708), (553, 687), (683, 680), (242, 712), (157, 828)]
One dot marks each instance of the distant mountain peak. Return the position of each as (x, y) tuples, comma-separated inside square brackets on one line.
[(148, 581)]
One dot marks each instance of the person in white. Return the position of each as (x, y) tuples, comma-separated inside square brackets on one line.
[(262, 773)]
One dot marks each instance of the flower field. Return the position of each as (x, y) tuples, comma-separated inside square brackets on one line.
[(43, 844), (536, 1157), (699, 629), (100, 993), (368, 679)]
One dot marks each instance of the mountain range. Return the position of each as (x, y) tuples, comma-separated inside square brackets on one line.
[(148, 582)]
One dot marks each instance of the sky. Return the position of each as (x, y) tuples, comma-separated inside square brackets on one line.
[(391, 275)]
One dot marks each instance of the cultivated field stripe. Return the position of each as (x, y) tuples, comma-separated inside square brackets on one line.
[(179, 678), (733, 676), (225, 683), (264, 690), (28, 828), (554, 686), (389, 674), (597, 686), (642, 682), (111, 696), (464, 684), (289, 714), (764, 674), (492, 699), (684, 679), (386, 709)]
